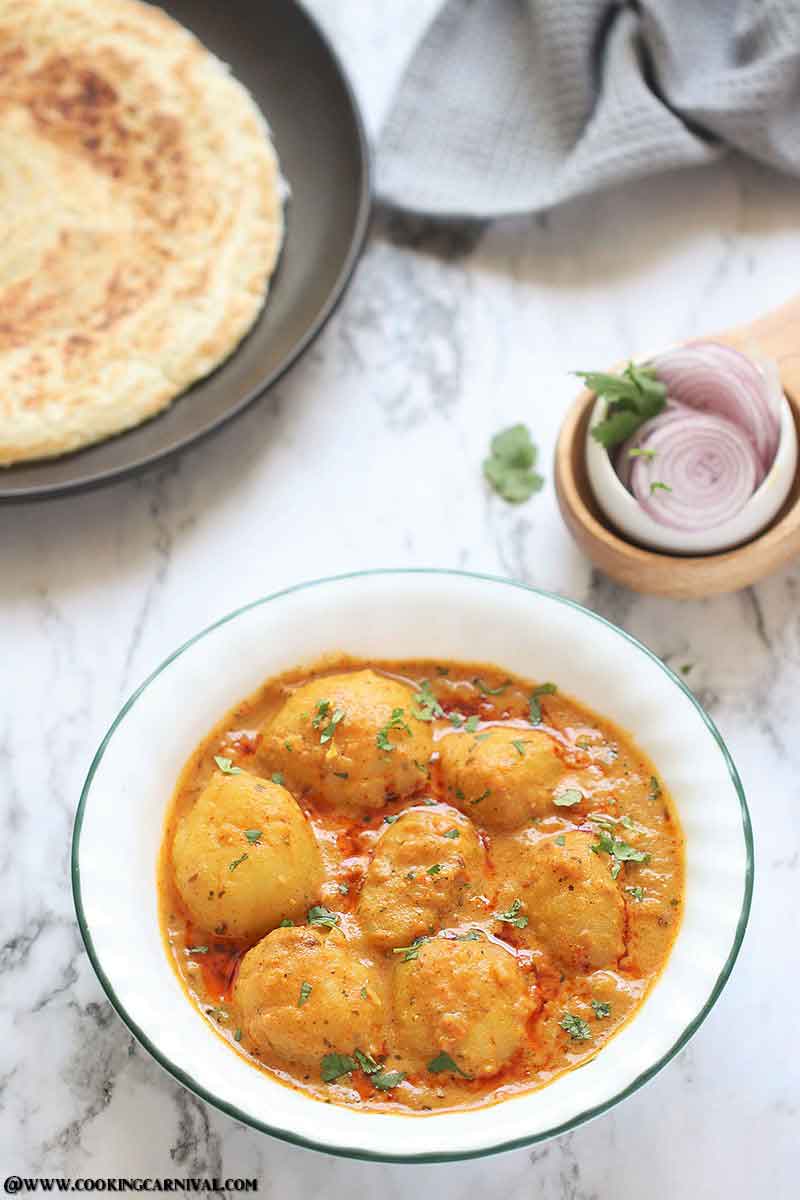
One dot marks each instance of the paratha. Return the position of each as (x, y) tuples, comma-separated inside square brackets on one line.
[(140, 218)]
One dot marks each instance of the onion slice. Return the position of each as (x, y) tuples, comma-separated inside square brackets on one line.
[(717, 379), (708, 466)]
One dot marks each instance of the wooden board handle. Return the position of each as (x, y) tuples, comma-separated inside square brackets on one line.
[(776, 335)]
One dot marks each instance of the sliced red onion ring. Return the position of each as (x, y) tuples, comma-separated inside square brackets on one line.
[(623, 463), (717, 379), (708, 462)]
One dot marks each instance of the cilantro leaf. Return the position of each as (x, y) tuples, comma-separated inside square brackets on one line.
[(367, 1063), (619, 852), (471, 724), (601, 1009), (632, 397), (253, 835), (320, 915), (485, 690), (335, 1065), (411, 952), (636, 893), (386, 1080), (305, 991), (237, 861), (443, 1062), (396, 721), (428, 707), (658, 486), (511, 916), (567, 797), (534, 707), (451, 833), (576, 1027), (509, 468), (226, 765)]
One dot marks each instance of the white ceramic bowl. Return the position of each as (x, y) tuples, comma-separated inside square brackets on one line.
[(633, 522), (403, 614)]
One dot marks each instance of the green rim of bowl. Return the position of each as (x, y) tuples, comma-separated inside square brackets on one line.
[(370, 1155)]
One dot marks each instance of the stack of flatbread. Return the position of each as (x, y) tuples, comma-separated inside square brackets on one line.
[(140, 218)]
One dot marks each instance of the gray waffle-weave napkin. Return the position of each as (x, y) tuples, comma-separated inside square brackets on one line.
[(509, 106)]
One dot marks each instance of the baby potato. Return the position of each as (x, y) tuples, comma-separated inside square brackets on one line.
[(503, 776), (574, 907), (426, 871), (351, 739), (468, 999), (302, 993), (245, 857)]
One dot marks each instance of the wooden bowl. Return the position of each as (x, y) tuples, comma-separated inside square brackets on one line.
[(685, 577)]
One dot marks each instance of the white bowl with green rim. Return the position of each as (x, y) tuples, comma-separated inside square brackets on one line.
[(404, 614)]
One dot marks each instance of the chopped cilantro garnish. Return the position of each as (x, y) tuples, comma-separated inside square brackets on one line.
[(619, 851), (396, 721), (253, 835), (443, 1062), (576, 1027), (197, 950), (411, 952), (482, 796), (561, 840), (511, 916), (226, 765), (320, 915), (385, 1080), (636, 892), (658, 486), (435, 869), (327, 733), (236, 862), (428, 707), (455, 719), (335, 1065), (567, 797), (601, 1009), (343, 888), (534, 706), (487, 691), (451, 833), (286, 923), (305, 992), (390, 820), (237, 1037), (277, 778), (367, 1063), (471, 724), (519, 746), (655, 788)]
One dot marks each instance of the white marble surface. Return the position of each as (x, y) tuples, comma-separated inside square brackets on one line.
[(369, 454)]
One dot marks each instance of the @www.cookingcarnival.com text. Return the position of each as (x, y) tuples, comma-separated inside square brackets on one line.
[(18, 1183)]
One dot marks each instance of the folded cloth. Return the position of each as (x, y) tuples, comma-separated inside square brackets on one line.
[(509, 106)]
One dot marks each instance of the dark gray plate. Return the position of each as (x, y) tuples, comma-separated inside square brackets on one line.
[(276, 50)]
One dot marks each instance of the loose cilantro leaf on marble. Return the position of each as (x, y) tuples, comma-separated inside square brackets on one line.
[(510, 465)]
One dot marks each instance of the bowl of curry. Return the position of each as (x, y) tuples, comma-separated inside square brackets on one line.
[(455, 858)]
